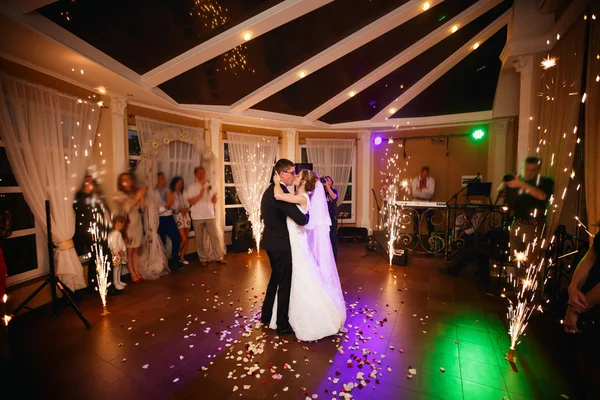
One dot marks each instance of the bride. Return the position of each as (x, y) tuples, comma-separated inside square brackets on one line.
[(317, 307)]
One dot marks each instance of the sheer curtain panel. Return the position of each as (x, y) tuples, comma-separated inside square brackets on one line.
[(558, 116), (333, 157), (49, 138), (252, 159)]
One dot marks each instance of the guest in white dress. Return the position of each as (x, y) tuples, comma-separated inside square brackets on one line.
[(181, 214)]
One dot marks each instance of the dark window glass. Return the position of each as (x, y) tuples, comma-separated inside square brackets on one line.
[(228, 174), (348, 195), (226, 157), (133, 165), (304, 155), (231, 196), (20, 254), (21, 215), (134, 143), (7, 178), (233, 215)]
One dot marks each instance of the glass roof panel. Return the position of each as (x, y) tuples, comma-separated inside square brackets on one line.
[(227, 78), (307, 94), (143, 34), (472, 84), (366, 104)]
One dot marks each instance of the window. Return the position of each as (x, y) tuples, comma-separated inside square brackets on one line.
[(234, 210), (25, 251), (347, 210), (135, 149)]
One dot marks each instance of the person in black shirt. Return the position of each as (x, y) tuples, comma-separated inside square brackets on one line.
[(528, 196), (87, 203), (332, 195)]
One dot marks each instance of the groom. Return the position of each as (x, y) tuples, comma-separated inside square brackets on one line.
[(276, 241)]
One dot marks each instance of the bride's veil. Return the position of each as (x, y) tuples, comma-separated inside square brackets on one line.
[(320, 244)]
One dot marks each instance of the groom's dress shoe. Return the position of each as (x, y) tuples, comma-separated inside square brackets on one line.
[(265, 321), (285, 331)]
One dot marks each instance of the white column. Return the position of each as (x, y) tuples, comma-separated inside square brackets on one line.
[(217, 173), (292, 143), (524, 65), (365, 176), (118, 105), (497, 152)]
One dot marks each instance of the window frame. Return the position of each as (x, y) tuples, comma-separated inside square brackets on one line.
[(41, 243), (229, 228), (351, 183)]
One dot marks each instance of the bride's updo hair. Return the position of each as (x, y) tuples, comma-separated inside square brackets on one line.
[(309, 178)]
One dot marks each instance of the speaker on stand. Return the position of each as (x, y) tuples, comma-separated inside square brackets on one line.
[(241, 237)]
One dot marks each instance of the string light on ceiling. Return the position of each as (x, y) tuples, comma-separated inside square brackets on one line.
[(213, 16), (211, 12)]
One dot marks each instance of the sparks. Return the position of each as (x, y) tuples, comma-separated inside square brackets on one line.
[(549, 62)]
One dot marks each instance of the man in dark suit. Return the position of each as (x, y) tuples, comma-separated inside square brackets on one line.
[(276, 242)]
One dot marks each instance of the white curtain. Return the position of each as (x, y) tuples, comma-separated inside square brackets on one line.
[(49, 138), (177, 158), (333, 157), (252, 160), (175, 150)]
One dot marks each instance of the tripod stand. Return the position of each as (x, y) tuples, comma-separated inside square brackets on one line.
[(53, 281)]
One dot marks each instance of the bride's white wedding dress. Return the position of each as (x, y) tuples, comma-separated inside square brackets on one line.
[(317, 307)]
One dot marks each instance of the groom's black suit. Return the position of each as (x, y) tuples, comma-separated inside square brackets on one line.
[(276, 241)]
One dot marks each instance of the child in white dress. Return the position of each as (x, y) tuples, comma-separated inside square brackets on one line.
[(118, 250)]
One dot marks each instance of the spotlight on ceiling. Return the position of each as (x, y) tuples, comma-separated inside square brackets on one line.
[(101, 90), (390, 140), (392, 111), (454, 29), (302, 74), (352, 93), (377, 141), (426, 6), (476, 46), (247, 36)]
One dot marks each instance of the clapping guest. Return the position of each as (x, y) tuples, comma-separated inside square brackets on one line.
[(202, 197), (181, 214), (131, 200), (332, 194), (166, 224)]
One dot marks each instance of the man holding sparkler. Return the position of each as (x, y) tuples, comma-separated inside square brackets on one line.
[(528, 195)]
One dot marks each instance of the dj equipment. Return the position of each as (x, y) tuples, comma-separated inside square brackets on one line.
[(353, 234), (426, 204), (241, 237)]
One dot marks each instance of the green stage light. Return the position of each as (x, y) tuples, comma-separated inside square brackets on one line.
[(478, 134)]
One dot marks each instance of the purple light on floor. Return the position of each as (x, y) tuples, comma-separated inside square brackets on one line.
[(377, 141)]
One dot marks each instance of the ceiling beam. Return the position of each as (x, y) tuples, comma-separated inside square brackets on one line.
[(440, 70), (400, 124), (461, 20), (260, 24), (370, 32)]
